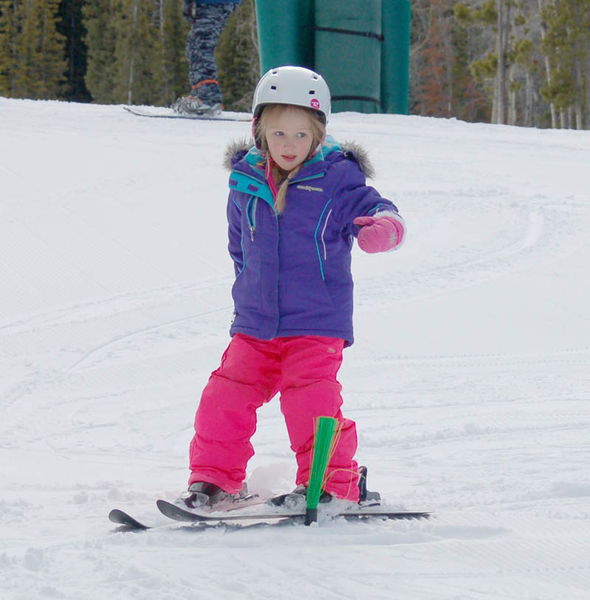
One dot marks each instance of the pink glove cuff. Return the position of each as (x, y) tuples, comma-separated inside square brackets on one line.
[(380, 233)]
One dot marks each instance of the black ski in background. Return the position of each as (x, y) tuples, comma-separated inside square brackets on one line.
[(152, 112)]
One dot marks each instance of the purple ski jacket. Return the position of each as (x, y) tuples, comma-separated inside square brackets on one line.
[(293, 270)]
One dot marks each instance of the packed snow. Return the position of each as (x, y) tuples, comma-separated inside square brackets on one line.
[(469, 379)]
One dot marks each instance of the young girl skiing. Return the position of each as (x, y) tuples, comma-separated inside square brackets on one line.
[(297, 200)]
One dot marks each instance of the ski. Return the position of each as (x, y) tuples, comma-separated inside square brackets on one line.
[(229, 517), (129, 523), (178, 513), (124, 519), (168, 113), (263, 510)]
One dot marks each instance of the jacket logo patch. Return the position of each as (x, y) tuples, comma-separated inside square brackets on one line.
[(309, 188)]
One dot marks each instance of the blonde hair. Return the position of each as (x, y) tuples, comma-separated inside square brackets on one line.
[(282, 178)]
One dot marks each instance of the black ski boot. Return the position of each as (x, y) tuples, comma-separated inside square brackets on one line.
[(367, 498), (203, 493), (297, 499)]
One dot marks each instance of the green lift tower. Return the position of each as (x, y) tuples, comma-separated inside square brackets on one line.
[(361, 48)]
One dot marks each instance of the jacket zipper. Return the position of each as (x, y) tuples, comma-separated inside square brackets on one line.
[(251, 215), (253, 202)]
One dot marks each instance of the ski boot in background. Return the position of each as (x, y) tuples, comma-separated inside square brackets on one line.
[(193, 105)]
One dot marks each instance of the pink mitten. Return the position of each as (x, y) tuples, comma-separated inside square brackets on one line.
[(380, 233)]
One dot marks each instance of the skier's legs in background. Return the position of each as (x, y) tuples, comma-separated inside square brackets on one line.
[(209, 22)]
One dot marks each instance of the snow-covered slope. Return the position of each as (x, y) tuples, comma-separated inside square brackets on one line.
[(469, 380)]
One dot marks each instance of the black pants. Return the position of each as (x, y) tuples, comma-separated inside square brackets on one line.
[(200, 49)]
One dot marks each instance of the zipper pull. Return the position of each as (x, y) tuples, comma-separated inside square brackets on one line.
[(251, 233)]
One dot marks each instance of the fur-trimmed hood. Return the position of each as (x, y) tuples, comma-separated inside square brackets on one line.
[(237, 149)]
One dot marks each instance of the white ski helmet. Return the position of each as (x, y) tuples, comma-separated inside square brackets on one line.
[(292, 85)]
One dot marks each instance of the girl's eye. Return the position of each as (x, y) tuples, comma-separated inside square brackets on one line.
[(301, 135)]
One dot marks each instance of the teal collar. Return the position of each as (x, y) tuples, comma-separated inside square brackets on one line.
[(255, 184)]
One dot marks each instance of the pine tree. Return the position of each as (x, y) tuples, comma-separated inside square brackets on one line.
[(126, 62), (33, 49), (137, 53), (470, 103), (173, 31), (567, 47), (237, 58), (100, 18), (49, 65), (9, 24), (488, 69), (71, 26)]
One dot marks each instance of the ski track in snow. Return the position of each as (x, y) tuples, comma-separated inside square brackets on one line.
[(469, 379)]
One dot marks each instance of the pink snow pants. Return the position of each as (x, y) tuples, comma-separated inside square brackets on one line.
[(303, 370)]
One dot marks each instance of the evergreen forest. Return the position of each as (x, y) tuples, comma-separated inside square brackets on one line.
[(517, 62)]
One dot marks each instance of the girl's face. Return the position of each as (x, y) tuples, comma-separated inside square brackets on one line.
[(289, 136)]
